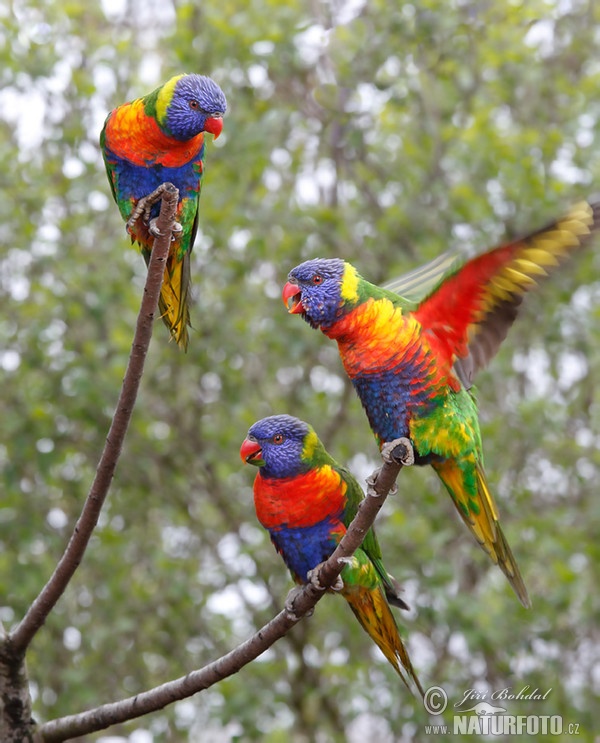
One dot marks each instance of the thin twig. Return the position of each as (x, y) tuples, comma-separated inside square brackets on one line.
[(64, 728), (43, 604)]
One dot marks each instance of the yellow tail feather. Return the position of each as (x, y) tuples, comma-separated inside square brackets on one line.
[(375, 616), (173, 301), (474, 502)]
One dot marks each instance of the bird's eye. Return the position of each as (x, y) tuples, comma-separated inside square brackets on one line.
[(317, 279), (194, 105), (278, 438)]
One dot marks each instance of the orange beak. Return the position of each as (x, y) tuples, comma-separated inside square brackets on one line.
[(250, 452), (214, 125), (292, 298)]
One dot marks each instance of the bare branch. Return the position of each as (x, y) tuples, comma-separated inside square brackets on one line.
[(304, 601), (16, 724), (35, 617)]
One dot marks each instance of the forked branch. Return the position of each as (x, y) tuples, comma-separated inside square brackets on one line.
[(380, 484)]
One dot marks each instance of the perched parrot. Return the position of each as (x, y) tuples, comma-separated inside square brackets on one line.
[(305, 500), (156, 139), (412, 363)]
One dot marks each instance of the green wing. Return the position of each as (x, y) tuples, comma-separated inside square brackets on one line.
[(370, 545), (107, 165)]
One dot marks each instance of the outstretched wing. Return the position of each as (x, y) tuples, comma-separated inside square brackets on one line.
[(418, 283), (471, 311)]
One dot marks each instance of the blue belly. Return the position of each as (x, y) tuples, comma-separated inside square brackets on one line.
[(391, 399), (134, 181), (303, 549)]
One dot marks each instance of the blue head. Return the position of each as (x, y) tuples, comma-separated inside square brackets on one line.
[(322, 290), (189, 104), (281, 445)]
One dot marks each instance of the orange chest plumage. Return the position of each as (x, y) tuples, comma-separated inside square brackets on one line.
[(374, 336), (134, 136), (300, 501), (378, 338)]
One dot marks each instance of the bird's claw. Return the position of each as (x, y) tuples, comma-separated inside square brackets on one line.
[(313, 577), (147, 213), (132, 221), (399, 451), (289, 604), (153, 228), (176, 230), (144, 208), (372, 490)]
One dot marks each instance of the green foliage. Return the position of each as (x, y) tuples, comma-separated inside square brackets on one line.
[(378, 132)]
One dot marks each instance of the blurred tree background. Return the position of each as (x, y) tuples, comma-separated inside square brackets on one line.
[(384, 133)]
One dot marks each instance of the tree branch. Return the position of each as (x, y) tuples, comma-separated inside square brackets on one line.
[(380, 484), (41, 607)]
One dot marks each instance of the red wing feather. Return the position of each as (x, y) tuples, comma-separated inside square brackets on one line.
[(471, 311)]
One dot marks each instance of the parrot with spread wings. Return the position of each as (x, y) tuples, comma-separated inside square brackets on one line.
[(412, 363)]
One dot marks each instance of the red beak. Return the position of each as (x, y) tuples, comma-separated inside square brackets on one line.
[(214, 125), (250, 451), (292, 298)]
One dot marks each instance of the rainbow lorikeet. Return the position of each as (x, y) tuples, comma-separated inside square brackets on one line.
[(305, 500), (412, 363), (156, 139)]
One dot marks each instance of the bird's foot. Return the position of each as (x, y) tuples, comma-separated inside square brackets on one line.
[(290, 601), (153, 228), (313, 577), (130, 224), (155, 232), (400, 451), (371, 489), (144, 208)]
